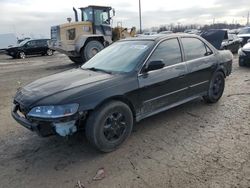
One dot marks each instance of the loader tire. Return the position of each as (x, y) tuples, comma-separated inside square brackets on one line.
[(91, 49)]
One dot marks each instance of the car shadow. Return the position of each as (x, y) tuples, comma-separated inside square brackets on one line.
[(61, 154), (78, 145)]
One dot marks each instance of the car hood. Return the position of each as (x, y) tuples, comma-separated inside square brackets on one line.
[(246, 47), (215, 37), (12, 48), (58, 83)]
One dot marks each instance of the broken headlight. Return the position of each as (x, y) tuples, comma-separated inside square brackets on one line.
[(241, 53), (56, 111)]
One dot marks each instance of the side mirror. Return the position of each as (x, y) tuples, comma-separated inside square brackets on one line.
[(154, 65), (248, 40), (113, 12)]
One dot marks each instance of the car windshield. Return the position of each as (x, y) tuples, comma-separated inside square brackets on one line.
[(119, 57), (22, 43), (245, 31)]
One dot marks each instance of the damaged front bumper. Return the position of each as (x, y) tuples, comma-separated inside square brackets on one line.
[(46, 127)]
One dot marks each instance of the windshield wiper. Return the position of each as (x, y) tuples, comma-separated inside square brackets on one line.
[(96, 69)]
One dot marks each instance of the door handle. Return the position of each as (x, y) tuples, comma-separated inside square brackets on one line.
[(181, 76)]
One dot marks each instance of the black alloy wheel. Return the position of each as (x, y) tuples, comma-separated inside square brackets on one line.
[(109, 125), (216, 88), (114, 126)]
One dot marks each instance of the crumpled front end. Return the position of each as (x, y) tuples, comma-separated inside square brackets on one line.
[(44, 127)]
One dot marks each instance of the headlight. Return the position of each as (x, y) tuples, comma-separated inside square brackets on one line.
[(56, 111), (241, 39), (241, 53)]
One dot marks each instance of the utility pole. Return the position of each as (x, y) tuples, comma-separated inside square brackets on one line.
[(140, 16), (248, 19)]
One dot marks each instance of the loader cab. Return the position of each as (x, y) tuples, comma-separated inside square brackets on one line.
[(100, 18)]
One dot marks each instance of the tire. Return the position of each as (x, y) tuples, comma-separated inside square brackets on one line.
[(49, 52), (216, 88), (91, 49), (76, 60), (109, 126), (21, 55), (241, 64)]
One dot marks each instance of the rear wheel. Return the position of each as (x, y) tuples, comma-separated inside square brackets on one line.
[(22, 55), (109, 126), (49, 52), (216, 88), (241, 63), (91, 49)]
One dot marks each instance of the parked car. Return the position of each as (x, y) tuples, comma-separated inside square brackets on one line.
[(126, 82), (30, 47), (244, 33), (192, 31), (233, 43), (215, 36), (149, 33), (244, 55), (166, 32)]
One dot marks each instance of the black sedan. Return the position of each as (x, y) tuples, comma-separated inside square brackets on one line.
[(126, 82), (30, 47), (244, 55), (233, 43)]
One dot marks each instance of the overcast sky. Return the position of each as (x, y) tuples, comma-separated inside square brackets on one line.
[(26, 17)]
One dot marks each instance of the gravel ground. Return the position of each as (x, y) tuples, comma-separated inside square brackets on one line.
[(193, 145)]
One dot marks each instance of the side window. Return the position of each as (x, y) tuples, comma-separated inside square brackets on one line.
[(101, 17), (194, 48), (31, 43), (168, 51), (38, 43)]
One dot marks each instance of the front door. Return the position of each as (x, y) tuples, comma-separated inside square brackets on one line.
[(163, 87), (31, 47)]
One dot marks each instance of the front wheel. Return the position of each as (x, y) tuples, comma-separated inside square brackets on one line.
[(91, 49), (22, 55), (49, 52), (109, 126), (216, 88), (241, 63)]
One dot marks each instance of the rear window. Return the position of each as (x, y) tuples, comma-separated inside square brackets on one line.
[(193, 48), (41, 42)]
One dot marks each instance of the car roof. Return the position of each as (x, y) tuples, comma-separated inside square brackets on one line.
[(35, 39), (159, 37)]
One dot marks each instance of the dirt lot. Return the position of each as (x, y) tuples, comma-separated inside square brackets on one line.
[(194, 145)]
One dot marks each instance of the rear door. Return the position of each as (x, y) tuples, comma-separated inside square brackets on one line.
[(163, 87), (42, 46), (201, 63)]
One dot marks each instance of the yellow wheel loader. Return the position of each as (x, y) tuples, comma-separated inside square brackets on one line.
[(81, 40)]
